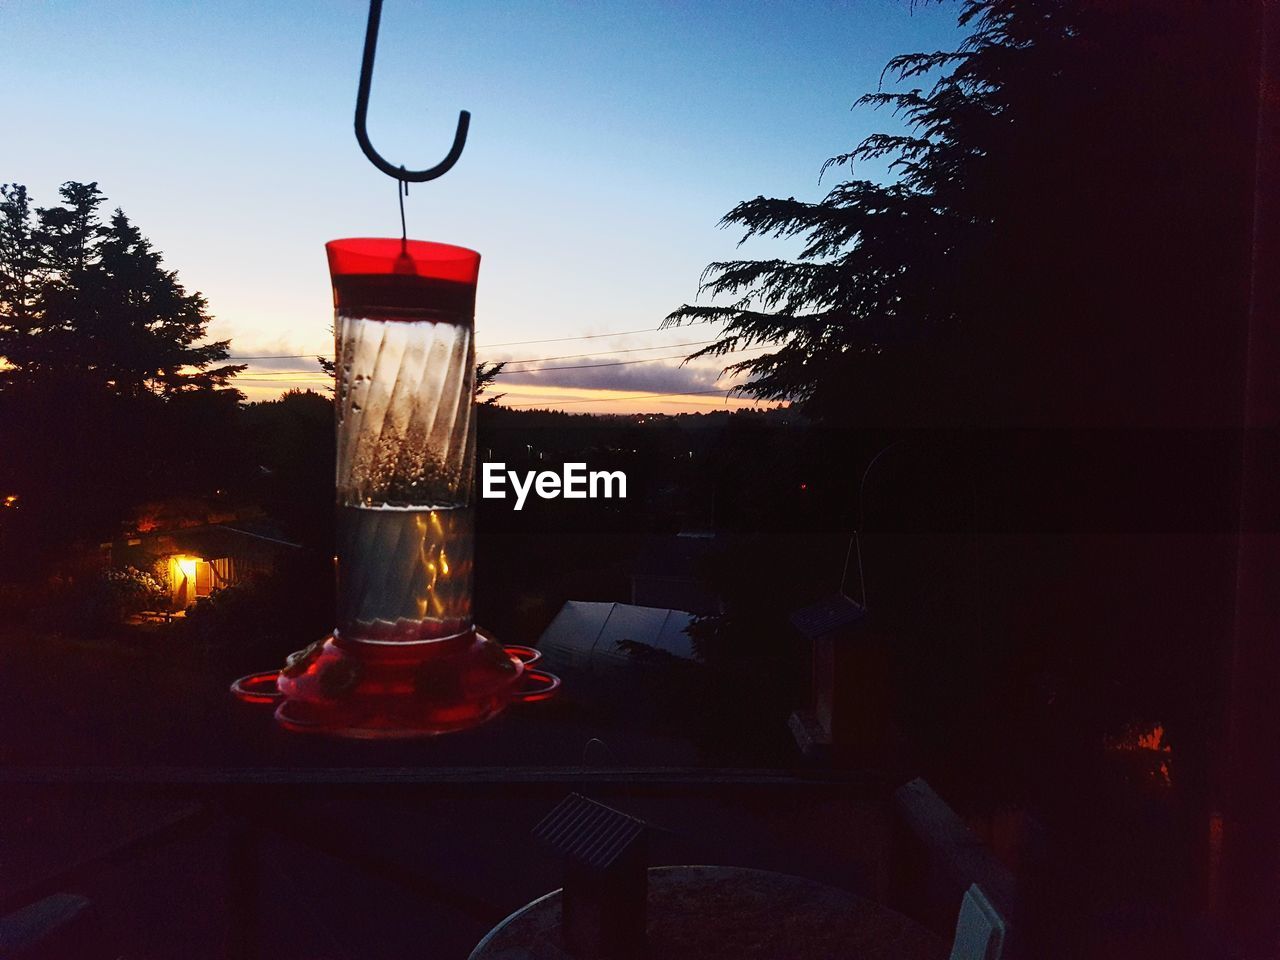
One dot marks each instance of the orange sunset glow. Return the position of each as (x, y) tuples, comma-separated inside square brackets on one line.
[(260, 386)]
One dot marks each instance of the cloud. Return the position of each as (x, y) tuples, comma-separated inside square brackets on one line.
[(665, 377)]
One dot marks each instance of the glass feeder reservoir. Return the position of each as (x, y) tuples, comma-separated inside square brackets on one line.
[(405, 657)]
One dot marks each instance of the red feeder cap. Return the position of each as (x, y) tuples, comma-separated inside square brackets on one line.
[(367, 256)]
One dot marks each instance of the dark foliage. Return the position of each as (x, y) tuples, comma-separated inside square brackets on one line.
[(291, 447), (106, 601), (486, 375), (109, 394), (1039, 240), (257, 623), (88, 302), (1043, 317)]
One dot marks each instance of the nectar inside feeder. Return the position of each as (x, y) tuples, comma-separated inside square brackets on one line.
[(405, 657)]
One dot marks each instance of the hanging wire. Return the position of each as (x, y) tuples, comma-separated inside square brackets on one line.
[(402, 191)]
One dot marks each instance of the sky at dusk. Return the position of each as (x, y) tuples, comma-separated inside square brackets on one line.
[(606, 142)]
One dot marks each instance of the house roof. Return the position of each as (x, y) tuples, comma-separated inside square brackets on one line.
[(222, 540)]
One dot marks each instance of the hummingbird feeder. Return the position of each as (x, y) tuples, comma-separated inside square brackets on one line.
[(405, 657)]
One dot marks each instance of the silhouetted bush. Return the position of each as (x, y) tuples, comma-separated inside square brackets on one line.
[(110, 599), (256, 623)]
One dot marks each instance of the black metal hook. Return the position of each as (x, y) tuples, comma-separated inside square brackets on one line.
[(362, 112)]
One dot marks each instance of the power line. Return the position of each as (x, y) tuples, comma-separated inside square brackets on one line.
[(585, 336), (641, 396), (282, 374), (592, 366), (575, 356), (509, 343), (285, 356), (570, 356), (301, 376)]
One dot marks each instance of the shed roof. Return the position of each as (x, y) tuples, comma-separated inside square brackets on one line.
[(590, 635), (224, 539)]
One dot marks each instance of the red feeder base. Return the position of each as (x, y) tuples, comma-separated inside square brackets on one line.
[(380, 691)]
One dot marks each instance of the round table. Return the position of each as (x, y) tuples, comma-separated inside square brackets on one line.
[(709, 913)]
